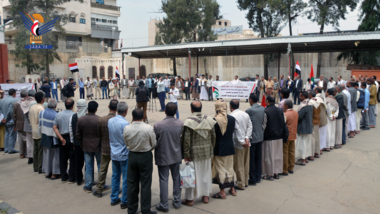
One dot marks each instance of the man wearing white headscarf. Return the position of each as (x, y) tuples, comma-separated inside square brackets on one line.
[(89, 85), (78, 152), (113, 89)]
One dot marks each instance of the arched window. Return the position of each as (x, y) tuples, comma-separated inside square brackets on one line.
[(72, 17), (110, 72), (101, 71), (82, 18), (94, 72), (142, 71)]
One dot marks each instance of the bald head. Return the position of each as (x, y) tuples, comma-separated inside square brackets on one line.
[(69, 104), (234, 104), (196, 106)]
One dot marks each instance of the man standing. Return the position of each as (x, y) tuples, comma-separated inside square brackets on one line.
[(236, 79), (119, 155), (332, 109), (297, 89), (62, 84), (347, 103), (97, 87), (53, 86), (104, 85), (78, 151), (258, 84), (71, 89), (142, 98), (89, 140), (50, 156), (339, 97), (161, 93), (108, 86), (289, 86), (38, 85), (262, 89), (198, 141), (174, 94), (131, 85), (289, 147), (66, 151), (81, 88), (217, 80), (269, 86), (209, 88), (178, 85), (168, 156), (273, 139), (34, 114), (46, 89), (167, 84), (315, 143), (304, 130), (241, 137), (148, 83), (331, 83), (203, 89), (259, 120), (140, 140), (89, 85), (372, 103), (124, 88), (354, 107), (25, 107), (322, 83), (103, 134), (195, 88), (187, 85), (323, 118), (340, 81), (367, 97), (248, 80), (18, 120), (276, 90)]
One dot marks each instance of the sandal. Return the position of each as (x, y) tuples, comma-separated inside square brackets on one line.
[(326, 150), (309, 158), (316, 156), (233, 194), (218, 196), (204, 200), (276, 176), (300, 163), (188, 203), (268, 178)]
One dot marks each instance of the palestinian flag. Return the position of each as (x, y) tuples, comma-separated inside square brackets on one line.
[(298, 70), (117, 73), (74, 67), (312, 74)]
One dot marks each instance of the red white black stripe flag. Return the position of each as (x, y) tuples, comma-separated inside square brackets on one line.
[(74, 67), (298, 70)]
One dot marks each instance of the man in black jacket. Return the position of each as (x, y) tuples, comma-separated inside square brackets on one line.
[(343, 111), (104, 86), (298, 85), (71, 89), (272, 160), (142, 97)]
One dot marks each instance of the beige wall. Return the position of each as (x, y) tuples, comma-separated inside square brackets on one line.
[(152, 31)]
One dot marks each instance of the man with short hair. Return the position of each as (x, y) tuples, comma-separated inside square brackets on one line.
[(216, 80), (331, 83), (332, 110), (108, 86), (259, 120), (289, 147), (104, 85), (103, 134), (203, 88), (46, 88), (365, 119), (140, 140), (38, 85), (124, 88), (315, 143), (142, 97), (6, 108), (209, 88), (50, 156), (323, 118), (86, 133), (284, 94), (282, 85), (174, 94), (131, 88), (241, 138), (339, 97), (167, 84), (322, 83), (168, 156), (81, 88), (18, 120), (298, 84), (262, 88), (272, 163), (161, 93), (71, 89), (149, 83), (66, 148), (304, 130), (54, 87), (354, 107), (97, 87), (25, 107), (276, 90), (372, 102), (236, 79), (198, 141), (62, 83), (34, 113), (340, 81), (347, 103), (258, 83)]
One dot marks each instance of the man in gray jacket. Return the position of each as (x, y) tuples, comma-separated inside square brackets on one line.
[(168, 156), (6, 108), (259, 121)]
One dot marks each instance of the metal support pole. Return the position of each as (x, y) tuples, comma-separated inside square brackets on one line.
[(189, 63), (139, 67), (122, 64), (290, 56), (197, 65), (279, 64)]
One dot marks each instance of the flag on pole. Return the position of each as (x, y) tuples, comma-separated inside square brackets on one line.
[(117, 73), (263, 104), (73, 67), (298, 70), (312, 73)]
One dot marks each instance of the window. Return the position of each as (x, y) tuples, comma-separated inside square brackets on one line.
[(73, 42), (101, 71), (104, 20), (72, 19), (98, 20), (94, 72), (100, 1), (220, 23), (93, 19), (114, 22), (225, 23), (110, 71), (82, 21), (110, 21)]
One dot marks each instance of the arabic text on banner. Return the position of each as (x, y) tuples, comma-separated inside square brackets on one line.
[(233, 90)]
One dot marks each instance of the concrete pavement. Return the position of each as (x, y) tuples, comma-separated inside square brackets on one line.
[(343, 181)]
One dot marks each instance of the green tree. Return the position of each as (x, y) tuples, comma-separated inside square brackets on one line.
[(36, 60), (185, 20), (370, 21), (328, 12), (263, 20)]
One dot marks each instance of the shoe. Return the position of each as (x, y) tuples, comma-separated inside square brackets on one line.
[(161, 110), (71, 182), (30, 160), (96, 194), (116, 203), (48, 176), (365, 128), (246, 186), (237, 188), (123, 206), (106, 187), (283, 174), (252, 184), (159, 208), (6, 151), (188, 203), (291, 172), (64, 181), (175, 207), (1, 149), (80, 183), (13, 152), (87, 189), (153, 212)]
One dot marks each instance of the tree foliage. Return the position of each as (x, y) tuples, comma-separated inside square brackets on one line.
[(370, 21), (36, 60)]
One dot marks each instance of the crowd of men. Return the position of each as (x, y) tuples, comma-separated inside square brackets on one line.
[(256, 144)]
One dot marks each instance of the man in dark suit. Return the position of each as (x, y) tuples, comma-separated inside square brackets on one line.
[(298, 84), (257, 90)]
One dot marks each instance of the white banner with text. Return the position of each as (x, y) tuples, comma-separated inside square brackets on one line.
[(17, 86), (232, 89)]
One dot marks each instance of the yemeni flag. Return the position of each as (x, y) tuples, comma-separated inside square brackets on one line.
[(312, 74), (74, 67), (117, 73), (298, 70), (263, 104)]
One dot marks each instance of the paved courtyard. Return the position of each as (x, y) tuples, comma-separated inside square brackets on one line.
[(343, 181)]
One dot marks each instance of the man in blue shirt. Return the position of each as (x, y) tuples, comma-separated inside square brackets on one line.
[(119, 155), (365, 118), (148, 84), (81, 88), (53, 86)]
